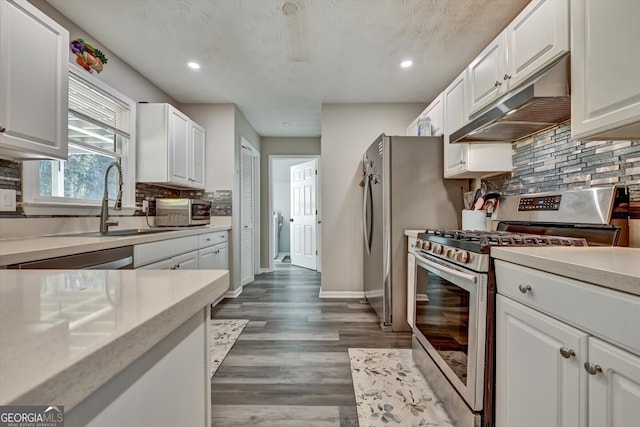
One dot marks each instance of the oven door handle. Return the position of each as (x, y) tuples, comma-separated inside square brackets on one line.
[(451, 271)]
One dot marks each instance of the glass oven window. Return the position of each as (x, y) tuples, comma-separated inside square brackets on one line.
[(442, 316)]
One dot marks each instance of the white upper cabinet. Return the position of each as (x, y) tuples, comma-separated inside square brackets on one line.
[(536, 38), (486, 74), (463, 160), (171, 148), (33, 83), (605, 92), (434, 113), (198, 149)]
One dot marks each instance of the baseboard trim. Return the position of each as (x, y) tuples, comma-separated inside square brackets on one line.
[(265, 270), (341, 294), (233, 294)]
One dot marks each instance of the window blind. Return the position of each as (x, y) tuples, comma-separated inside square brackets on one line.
[(92, 104)]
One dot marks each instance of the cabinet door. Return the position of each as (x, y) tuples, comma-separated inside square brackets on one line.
[(33, 83), (538, 36), (531, 372), (188, 261), (207, 258), (197, 175), (165, 264), (222, 257), (605, 87), (179, 150), (435, 112), (486, 74), (614, 393), (455, 116), (411, 289)]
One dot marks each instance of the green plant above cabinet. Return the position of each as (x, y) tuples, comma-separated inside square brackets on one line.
[(33, 83)]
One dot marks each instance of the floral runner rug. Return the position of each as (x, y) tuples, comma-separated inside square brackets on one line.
[(390, 390), (223, 333)]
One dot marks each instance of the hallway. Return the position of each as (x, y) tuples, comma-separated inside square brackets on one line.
[(290, 366)]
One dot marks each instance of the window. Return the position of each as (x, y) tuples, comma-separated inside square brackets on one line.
[(101, 131)]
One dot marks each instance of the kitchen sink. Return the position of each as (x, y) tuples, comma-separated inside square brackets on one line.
[(116, 233)]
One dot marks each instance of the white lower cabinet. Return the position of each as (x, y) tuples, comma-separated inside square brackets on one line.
[(531, 371), (614, 388), (206, 251), (567, 352)]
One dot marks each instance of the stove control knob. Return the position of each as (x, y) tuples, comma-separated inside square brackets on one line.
[(462, 256), (418, 244), (450, 253), (426, 245), (436, 248)]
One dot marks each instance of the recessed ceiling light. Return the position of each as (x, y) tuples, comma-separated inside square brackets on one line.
[(194, 65), (286, 124), (406, 64)]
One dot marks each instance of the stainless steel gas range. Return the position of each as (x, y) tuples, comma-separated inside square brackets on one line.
[(454, 322)]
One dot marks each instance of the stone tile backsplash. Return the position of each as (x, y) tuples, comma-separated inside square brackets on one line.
[(551, 161)]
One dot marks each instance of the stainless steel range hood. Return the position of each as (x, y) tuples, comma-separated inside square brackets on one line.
[(539, 105)]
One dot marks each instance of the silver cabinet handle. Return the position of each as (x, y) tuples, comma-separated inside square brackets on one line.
[(208, 239), (591, 368), (506, 77), (497, 83), (567, 352), (525, 288)]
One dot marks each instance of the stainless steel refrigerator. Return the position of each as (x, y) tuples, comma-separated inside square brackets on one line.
[(403, 190)]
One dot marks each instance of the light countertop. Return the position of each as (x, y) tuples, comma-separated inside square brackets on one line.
[(612, 267), (18, 250), (63, 334), (412, 233)]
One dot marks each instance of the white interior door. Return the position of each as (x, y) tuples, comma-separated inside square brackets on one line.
[(303, 215), (247, 214)]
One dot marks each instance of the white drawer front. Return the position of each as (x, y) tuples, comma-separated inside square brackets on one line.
[(603, 312), (209, 239), (156, 251)]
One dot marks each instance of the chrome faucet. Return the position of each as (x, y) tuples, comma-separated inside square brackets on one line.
[(104, 212)]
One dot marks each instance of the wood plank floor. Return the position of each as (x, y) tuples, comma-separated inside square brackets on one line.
[(290, 366)]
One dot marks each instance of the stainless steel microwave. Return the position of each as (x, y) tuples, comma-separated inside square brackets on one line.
[(182, 212)]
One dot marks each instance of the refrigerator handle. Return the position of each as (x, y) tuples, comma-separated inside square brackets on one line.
[(366, 230)]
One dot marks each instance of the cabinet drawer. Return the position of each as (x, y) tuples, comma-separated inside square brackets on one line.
[(603, 312), (209, 239), (156, 251)]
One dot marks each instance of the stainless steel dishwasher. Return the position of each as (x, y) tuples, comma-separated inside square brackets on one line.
[(107, 259)]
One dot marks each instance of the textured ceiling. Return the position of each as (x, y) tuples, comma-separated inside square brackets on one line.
[(278, 61)]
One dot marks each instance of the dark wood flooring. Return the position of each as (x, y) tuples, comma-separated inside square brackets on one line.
[(290, 366)]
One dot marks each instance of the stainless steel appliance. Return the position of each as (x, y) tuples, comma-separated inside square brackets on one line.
[(182, 212), (403, 188), (108, 259), (540, 104), (453, 330)]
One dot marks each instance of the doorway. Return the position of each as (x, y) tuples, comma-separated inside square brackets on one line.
[(280, 211)]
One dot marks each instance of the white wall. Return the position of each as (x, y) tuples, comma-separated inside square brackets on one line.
[(116, 73), (219, 122), (347, 131)]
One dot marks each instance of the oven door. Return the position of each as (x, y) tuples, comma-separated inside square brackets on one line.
[(450, 323)]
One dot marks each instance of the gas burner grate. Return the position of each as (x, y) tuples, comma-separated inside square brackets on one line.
[(505, 238)]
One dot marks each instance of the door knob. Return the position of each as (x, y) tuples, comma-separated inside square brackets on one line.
[(524, 288), (591, 368), (567, 352), (291, 220)]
